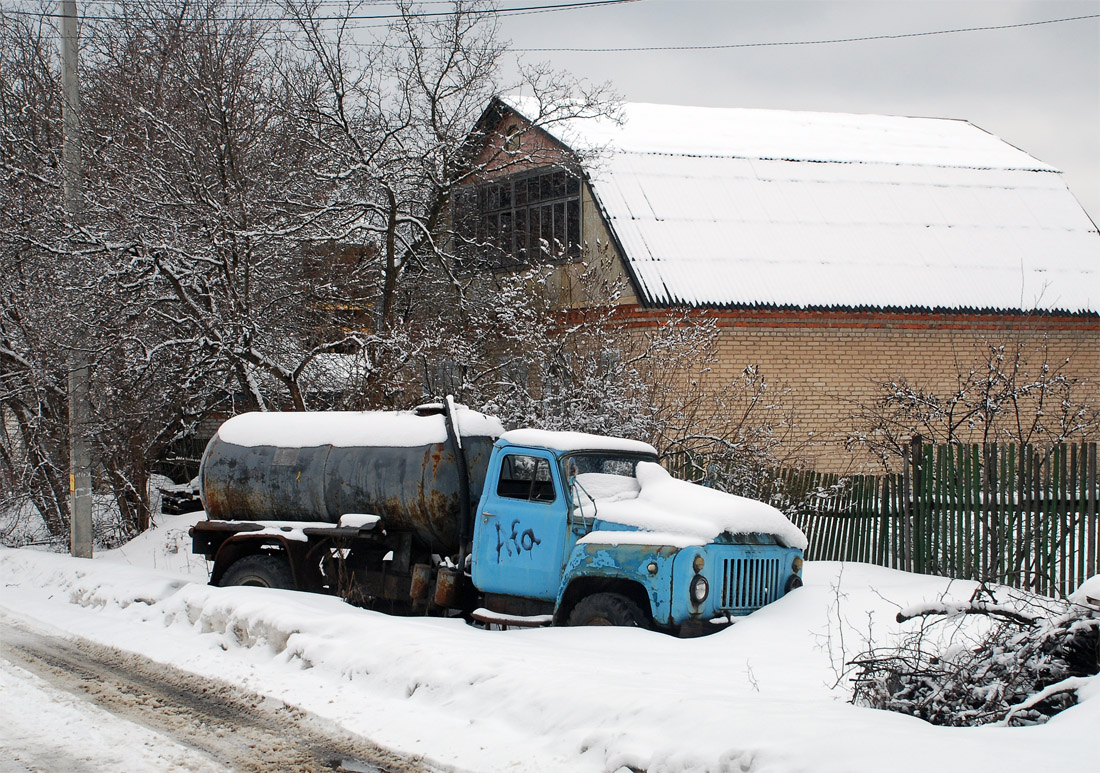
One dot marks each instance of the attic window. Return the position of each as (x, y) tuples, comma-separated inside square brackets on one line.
[(523, 219), (511, 138)]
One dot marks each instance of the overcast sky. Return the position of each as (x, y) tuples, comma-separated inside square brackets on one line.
[(1036, 87)]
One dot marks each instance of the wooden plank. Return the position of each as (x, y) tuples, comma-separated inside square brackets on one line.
[(1054, 523), (949, 508), (1007, 512), (1019, 527), (904, 526), (872, 550), (863, 530), (1042, 472), (991, 481), (850, 537), (947, 502), (867, 520), (1023, 519), (962, 503), (928, 471), (1004, 510), (1078, 525), (885, 545), (827, 521), (847, 542), (1050, 545), (931, 527), (1064, 518), (975, 523), (966, 542), (855, 521), (962, 487), (940, 497), (1091, 496), (905, 496), (891, 520), (832, 525)]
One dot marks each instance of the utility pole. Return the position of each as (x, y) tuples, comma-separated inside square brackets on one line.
[(80, 457)]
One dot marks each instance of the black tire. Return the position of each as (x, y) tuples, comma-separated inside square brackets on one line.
[(608, 609), (264, 570)]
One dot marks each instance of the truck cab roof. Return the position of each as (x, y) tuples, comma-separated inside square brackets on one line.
[(566, 442)]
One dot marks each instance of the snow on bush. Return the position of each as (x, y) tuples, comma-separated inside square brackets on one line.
[(1014, 662)]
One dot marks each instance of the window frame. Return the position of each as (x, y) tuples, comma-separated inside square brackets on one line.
[(526, 208), (541, 462)]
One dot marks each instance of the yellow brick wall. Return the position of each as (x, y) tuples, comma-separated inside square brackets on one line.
[(832, 362)]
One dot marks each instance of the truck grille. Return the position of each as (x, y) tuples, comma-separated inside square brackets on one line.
[(749, 583)]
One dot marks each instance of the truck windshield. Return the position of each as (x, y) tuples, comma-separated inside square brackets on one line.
[(605, 463), (602, 476)]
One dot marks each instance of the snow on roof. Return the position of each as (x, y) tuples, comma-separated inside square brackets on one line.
[(719, 207), (309, 429), (574, 441)]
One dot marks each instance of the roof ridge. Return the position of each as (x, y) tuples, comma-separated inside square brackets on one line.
[(795, 160)]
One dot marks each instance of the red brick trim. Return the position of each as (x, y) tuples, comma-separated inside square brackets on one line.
[(640, 316)]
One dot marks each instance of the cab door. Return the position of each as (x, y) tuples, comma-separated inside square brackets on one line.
[(519, 533)]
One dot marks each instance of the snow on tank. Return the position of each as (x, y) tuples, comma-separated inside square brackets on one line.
[(328, 466), (398, 429)]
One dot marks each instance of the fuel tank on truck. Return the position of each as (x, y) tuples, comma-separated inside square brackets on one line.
[(317, 466)]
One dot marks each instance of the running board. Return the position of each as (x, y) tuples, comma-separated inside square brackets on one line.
[(490, 617)]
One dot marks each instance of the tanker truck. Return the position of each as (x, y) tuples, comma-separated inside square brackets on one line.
[(439, 511)]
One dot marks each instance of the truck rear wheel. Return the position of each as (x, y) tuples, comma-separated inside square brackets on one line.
[(263, 570), (608, 609)]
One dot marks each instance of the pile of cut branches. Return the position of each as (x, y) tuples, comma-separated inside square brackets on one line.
[(1014, 661)]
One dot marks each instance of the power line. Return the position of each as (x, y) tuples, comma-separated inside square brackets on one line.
[(519, 10), (822, 42)]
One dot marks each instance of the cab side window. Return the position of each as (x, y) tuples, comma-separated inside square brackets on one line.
[(526, 477)]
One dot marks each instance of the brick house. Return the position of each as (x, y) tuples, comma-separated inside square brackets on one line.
[(835, 251)]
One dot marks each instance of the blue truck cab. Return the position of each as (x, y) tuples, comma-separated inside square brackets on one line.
[(585, 529)]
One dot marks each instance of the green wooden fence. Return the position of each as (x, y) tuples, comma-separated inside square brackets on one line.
[(1021, 515)]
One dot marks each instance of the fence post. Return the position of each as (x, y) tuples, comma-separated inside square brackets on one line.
[(916, 487), (987, 555)]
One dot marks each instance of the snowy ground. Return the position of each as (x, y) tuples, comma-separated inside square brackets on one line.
[(761, 696)]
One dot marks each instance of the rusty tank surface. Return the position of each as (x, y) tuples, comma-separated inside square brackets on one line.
[(319, 466)]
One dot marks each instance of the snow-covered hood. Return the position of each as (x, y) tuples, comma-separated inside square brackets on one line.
[(681, 513)]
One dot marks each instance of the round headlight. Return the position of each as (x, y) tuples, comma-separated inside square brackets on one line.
[(796, 564), (794, 581), (700, 588)]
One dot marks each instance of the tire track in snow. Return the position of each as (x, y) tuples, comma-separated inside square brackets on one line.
[(238, 730)]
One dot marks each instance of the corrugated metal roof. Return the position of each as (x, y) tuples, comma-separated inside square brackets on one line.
[(759, 207)]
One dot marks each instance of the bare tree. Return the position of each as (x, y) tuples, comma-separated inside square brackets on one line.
[(253, 209), (1008, 394), (183, 289), (549, 346), (1010, 391), (393, 119), (34, 297)]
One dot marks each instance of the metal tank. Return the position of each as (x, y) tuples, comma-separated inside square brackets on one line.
[(319, 466)]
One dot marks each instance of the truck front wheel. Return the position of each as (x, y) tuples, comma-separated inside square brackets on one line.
[(261, 570), (608, 609)]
